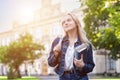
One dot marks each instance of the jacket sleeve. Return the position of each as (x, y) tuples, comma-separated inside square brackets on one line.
[(89, 65), (52, 60)]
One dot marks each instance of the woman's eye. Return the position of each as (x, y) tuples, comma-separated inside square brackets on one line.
[(69, 20)]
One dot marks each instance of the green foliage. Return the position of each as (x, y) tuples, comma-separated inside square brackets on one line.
[(23, 78), (17, 52), (96, 15), (3, 52), (109, 41), (111, 35), (102, 24)]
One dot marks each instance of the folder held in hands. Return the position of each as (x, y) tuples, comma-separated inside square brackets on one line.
[(79, 49)]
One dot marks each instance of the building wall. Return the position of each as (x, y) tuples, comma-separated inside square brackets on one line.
[(99, 63), (118, 66)]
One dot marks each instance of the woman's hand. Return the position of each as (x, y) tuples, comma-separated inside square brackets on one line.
[(79, 63), (57, 48)]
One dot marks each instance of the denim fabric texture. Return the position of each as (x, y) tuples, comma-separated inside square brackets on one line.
[(59, 62)]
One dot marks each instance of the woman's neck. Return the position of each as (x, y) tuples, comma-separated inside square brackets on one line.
[(72, 37)]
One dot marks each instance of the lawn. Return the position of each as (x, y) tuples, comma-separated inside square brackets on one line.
[(106, 79), (99, 77), (23, 78)]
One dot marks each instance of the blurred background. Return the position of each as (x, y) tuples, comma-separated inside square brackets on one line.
[(28, 27)]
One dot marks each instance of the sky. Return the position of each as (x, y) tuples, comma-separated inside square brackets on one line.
[(23, 10)]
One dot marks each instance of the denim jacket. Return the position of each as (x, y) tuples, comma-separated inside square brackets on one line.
[(59, 62)]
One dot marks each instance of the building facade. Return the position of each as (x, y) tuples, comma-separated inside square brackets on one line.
[(45, 27)]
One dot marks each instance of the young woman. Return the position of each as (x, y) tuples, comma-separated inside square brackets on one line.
[(63, 51)]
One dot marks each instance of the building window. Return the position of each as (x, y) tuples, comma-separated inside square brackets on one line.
[(47, 48), (31, 31), (3, 42), (16, 36), (8, 41), (57, 30), (0, 42), (111, 65), (38, 34)]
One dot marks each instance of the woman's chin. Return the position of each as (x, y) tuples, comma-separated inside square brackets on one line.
[(68, 30)]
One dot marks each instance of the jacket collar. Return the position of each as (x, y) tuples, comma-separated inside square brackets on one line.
[(66, 38)]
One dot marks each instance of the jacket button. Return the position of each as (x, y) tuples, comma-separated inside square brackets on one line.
[(78, 77)]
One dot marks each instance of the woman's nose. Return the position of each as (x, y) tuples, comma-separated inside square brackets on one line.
[(66, 23)]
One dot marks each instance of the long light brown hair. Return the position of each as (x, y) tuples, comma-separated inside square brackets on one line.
[(81, 32)]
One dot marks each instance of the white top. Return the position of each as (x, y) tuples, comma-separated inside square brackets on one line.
[(69, 56)]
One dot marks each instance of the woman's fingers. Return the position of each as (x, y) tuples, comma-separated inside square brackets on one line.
[(76, 62), (81, 57), (79, 63)]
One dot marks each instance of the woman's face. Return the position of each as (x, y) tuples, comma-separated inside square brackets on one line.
[(68, 23)]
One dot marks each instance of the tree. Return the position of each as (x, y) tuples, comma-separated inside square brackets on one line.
[(96, 15), (102, 23), (17, 52), (111, 36), (3, 50)]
